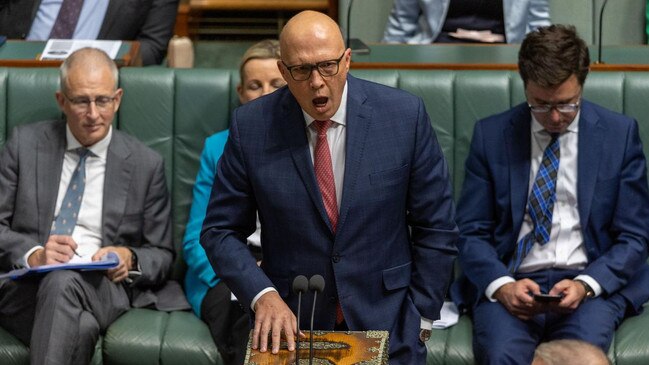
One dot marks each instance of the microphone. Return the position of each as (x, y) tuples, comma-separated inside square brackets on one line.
[(599, 47), (357, 46), (316, 283), (300, 285)]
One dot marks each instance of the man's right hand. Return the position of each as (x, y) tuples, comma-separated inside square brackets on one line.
[(273, 316), (517, 298), (57, 250)]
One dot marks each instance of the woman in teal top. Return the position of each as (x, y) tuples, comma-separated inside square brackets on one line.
[(211, 299)]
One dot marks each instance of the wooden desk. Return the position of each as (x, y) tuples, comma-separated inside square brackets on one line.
[(243, 19), (16, 53)]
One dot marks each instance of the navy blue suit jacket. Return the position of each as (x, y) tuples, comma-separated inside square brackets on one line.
[(613, 201), (391, 258)]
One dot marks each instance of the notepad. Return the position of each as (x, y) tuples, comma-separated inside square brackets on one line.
[(109, 261)]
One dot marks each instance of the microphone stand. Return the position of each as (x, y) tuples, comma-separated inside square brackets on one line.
[(316, 283), (300, 285), (355, 44), (599, 47)]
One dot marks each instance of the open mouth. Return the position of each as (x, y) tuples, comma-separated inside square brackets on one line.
[(320, 102)]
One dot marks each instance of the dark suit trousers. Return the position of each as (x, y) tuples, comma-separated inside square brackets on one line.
[(229, 324), (61, 315), (500, 338)]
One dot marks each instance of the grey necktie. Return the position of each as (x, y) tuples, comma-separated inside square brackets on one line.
[(67, 218), (67, 19)]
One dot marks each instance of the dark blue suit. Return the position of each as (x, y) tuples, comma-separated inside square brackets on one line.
[(613, 204), (389, 262)]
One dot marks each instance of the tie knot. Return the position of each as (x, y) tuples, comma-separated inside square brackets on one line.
[(322, 125), (82, 152)]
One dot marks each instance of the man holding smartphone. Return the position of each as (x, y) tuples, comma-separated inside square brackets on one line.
[(552, 218)]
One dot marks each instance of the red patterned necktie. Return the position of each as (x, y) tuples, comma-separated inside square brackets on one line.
[(325, 175), (324, 172), (67, 19)]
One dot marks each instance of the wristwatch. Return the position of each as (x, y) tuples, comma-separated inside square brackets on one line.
[(590, 293), (134, 261), (424, 335)]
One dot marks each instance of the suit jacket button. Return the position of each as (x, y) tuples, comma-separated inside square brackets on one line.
[(335, 258)]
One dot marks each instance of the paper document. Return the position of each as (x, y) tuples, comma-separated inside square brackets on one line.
[(449, 315), (109, 261), (60, 49)]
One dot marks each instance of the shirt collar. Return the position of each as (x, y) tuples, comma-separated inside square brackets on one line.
[(573, 127), (339, 117), (99, 149)]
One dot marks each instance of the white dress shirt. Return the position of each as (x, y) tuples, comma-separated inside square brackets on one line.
[(565, 249), (88, 230), (90, 21)]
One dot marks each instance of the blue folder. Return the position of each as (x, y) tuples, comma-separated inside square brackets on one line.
[(109, 261)]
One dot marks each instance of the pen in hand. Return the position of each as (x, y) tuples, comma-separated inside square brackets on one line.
[(76, 253)]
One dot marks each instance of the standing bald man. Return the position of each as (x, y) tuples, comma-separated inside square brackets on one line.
[(350, 183)]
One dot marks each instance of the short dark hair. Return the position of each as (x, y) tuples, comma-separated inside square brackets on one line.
[(550, 55)]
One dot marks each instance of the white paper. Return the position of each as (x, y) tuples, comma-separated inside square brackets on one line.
[(60, 49), (449, 315)]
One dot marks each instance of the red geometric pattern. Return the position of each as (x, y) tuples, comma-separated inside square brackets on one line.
[(324, 172)]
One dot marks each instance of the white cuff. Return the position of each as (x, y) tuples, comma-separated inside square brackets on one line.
[(29, 253), (495, 285), (591, 282), (256, 298), (426, 324)]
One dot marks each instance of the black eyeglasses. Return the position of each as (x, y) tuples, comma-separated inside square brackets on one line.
[(82, 103), (325, 68)]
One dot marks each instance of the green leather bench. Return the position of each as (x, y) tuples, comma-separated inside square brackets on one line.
[(174, 110)]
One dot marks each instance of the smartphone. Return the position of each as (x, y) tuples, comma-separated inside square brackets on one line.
[(547, 298)]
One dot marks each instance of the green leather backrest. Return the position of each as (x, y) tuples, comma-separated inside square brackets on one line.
[(173, 111)]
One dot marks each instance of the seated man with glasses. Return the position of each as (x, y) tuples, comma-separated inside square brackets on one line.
[(351, 184), (553, 212), (73, 190)]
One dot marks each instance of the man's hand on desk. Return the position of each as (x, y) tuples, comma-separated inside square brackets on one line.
[(57, 250), (273, 316), (120, 272)]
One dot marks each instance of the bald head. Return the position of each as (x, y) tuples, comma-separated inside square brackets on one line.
[(87, 60), (314, 63), (309, 27), (569, 352)]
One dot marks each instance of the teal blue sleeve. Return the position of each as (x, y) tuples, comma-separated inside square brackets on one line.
[(200, 275)]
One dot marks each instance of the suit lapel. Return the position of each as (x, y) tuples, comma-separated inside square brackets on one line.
[(112, 14), (49, 160), (517, 138), (590, 140), (357, 126), (294, 134), (116, 184)]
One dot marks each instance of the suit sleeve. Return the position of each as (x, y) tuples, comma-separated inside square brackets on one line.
[(628, 227), (155, 252), (193, 252), (13, 245), (230, 218), (403, 21), (431, 215), (476, 218), (157, 30)]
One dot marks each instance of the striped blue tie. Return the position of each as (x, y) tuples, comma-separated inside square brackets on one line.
[(67, 219), (540, 203)]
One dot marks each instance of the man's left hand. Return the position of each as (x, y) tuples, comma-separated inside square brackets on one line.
[(120, 272), (573, 294)]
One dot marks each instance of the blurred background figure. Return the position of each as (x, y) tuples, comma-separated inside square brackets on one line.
[(149, 22), (210, 298), (569, 352), (474, 21)]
